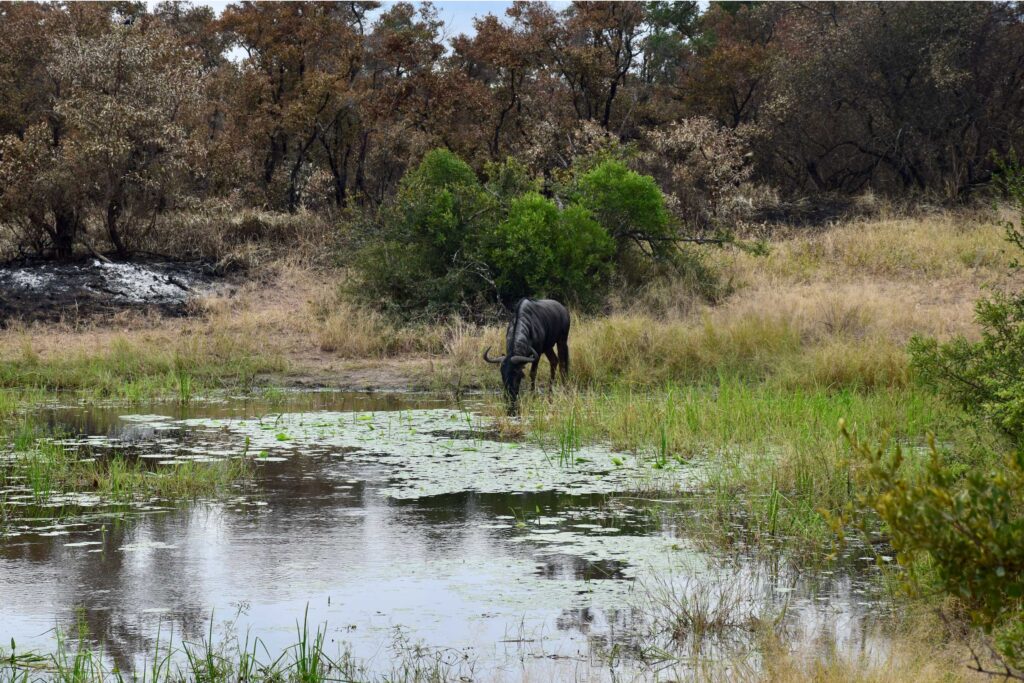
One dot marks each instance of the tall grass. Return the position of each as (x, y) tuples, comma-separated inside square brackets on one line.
[(770, 451), (135, 368), (943, 245), (919, 648), (348, 331), (207, 660), (236, 237)]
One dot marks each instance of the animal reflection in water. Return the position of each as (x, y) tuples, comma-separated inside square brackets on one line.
[(539, 326)]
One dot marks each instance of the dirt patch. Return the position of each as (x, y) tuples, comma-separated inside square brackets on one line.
[(43, 291), (319, 371)]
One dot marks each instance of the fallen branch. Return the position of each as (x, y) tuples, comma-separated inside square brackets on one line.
[(92, 250)]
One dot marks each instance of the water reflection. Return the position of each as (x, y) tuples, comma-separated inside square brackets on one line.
[(490, 573)]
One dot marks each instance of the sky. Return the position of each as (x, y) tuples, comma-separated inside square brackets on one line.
[(457, 15)]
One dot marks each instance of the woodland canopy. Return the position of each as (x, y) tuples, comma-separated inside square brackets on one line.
[(115, 115)]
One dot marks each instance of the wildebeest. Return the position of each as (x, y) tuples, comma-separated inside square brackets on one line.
[(537, 327)]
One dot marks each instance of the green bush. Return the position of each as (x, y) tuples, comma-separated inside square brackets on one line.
[(986, 377), (442, 205), (541, 251), (967, 522), (449, 243), (971, 529), (629, 205), (509, 179), (426, 258)]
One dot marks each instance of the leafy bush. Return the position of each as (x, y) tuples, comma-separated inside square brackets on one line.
[(986, 377), (539, 250), (970, 526), (429, 257), (629, 205), (449, 243), (509, 179), (972, 529)]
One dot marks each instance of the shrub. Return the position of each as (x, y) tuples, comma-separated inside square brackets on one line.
[(449, 243), (429, 257), (971, 526), (986, 377), (701, 164), (539, 250), (630, 206), (442, 204), (509, 179), (972, 529)]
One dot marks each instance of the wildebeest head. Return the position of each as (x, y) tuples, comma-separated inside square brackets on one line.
[(512, 371)]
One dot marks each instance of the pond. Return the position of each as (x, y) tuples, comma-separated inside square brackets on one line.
[(401, 522)]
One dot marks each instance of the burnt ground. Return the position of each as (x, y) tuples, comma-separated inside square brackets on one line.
[(46, 291)]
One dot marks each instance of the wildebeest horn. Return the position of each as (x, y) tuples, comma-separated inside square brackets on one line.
[(492, 360), (523, 359)]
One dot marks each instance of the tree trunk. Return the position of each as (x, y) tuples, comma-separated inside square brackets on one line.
[(278, 148), (340, 172), (113, 213), (65, 229), (361, 164)]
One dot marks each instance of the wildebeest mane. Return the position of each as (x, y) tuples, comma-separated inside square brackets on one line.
[(514, 328)]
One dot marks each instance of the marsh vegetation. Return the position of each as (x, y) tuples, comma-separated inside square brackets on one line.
[(727, 422), (789, 447)]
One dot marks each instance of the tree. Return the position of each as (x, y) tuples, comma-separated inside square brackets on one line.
[(504, 59), (109, 136), (129, 100), (299, 88), (734, 50), (630, 206), (39, 198), (592, 47), (673, 26), (539, 250), (406, 89), (901, 97)]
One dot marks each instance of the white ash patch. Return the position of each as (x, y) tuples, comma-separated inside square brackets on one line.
[(27, 279), (36, 289), (140, 283)]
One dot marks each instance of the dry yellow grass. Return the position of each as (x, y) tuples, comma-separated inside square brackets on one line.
[(832, 307), (942, 245), (906, 663), (919, 650), (903, 275)]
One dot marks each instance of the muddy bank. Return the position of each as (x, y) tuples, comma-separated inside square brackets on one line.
[(44, 291)]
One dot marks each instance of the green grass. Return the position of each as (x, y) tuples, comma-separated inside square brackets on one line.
[(137, 370), (209, 660), (771, 453), (44, 468)]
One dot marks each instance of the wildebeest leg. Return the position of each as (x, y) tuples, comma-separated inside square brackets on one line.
[(533, 375), (553, 362), (563, 357)]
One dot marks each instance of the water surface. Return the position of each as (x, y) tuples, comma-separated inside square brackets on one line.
[(395, 519)]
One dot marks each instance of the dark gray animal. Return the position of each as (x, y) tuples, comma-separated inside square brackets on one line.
[(538, 326)]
